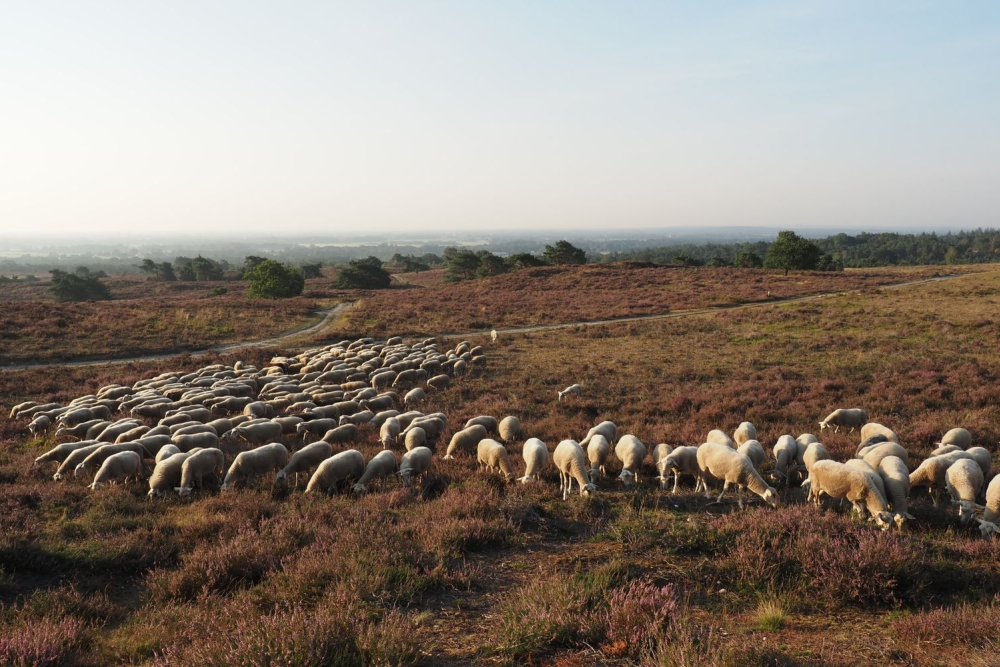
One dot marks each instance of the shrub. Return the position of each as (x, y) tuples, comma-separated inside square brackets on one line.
[(40, 643), (546, 613), (639, 616), (81, 286), (273, 280), (363, 274)]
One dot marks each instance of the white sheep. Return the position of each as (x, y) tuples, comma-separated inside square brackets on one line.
[(988, 525), (509, 429), (867, 469), (840, 481), (349, 464), (963, 481), (958, 437), (931, 473), (414, 397), (99, 455), (535, 455), (493, 456), (206, 462), (896, 477), (681, 461), (342, 435), (304, 460), (389, 432), (753, 450), (874, 428), (489, 423), (946, 449), (732, 467), (493, 336), (598, 450), (719, 437), (816, 451), (786, 456), (873, 455), (60, 452), (465, 439), (605, 428), (631, 452), (744, 432), (167, 475), (381, 466), (572, 464), (120, 466), (166, 451), (852, 418), (572, 390), (414, 463), (415, 437), (982, 456), (256, 462)]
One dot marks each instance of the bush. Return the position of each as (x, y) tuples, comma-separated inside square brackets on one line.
[(564, 252), (40, 643), (274, 280), (79, 286), (363, 274), (639, 617)]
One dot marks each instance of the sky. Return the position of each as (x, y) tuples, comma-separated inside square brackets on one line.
[(212, 117)]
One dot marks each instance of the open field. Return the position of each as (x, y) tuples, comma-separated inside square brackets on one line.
[(474, 570)]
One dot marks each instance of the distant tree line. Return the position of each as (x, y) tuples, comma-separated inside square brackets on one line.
[(462, 264)]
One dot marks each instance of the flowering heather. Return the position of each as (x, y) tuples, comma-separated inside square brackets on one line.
[(40, 643)]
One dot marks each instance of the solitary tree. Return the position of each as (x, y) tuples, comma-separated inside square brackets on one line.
[(791, 251), (364, 273), (461, 264), (273, 280), (564, 252)]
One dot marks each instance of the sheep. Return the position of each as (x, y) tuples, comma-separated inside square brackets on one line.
[(382, 465), (358, 418), (389, 432), (631, 452), (39, 424), (598, 450), (732, 467), (166, 451), (188, 441), (816, 451), (946, 449), (867, 469), (120, 466), (753, 450), (744, 432), (874, 455), (988, 525), (681, 461), (75, 458), (346, 465), (605, 428), (958, 437), (572, 390), (204, 462), (786, 455), (414, 463), (100, 455), (465, 439), (896, 478), (839, 481), (489, 423), (315, 427), (874, 428), (718, 437), (255, 433), (167, 475), (963, 481), (342, 434), (535, 455), (571, 463), (304, 460), (60, 452), (931, 473), (439, 382), (492, 455), (870, 442), (381, 417), (21, 407), (415, 437), (805, 439), (509, 429), (982, 456), (288, 424), (255, 462), (849, 417)]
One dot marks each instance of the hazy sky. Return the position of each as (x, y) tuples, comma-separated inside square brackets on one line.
[(266, 117)]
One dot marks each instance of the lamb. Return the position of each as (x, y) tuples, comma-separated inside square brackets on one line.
[(874, 455), (342, 434), (346, 465), (988, 525), (166, 451), (722, 462), (605, 428), (255, 462), (414, 463), (850, 417), (681, 461), (389, 432), (839, 481), (874, 428), (931, 473), (188, 441), (100, 455), (535, 455), (204, 462), (753, 450), (121, 466), (964, 480), (381, 466), (896, 478), (305, 460), (60, 452), (509, 429), (465, 439), (572, 390), (491, 454), (571, 463), (415, 437), (167, 475), (786, 455), (718, 437), (489, 423), (631, 452), (958, 437), (744, 432), (598, 450)]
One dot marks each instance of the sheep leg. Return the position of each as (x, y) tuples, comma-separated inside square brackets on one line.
[(725, 485), (677, 479), (739, 496)]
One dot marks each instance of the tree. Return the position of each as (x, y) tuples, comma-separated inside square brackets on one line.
[(363, 274), (251, 261), (748, 259), (148, 266), (312, 270), (78, 286), (952, 256), (165, 272), (524, 260), (717, 261), (564, 252), (206, 269), (461, 264), (829, 262), (273, 280), (490, 264), (791, 251), (684, 260)]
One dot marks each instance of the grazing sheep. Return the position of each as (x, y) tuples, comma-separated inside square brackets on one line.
[(439, 382), (189, 441), (493, 336), (964, 480), (414, 463), (304, 460), (381, 466), (732, 467), (572, 464), (256, 462), (509, 429), (572, 390), (988, 525), (389, 432), (870, 442), (852, 418), (958, 437), (840, 481), (489, 423), (718, 437), (358, 418), (744, 432), (465, 439), (121, 466), (867, 469), (60, 452), (535, 455), (101, 454), (492, 455), (681, 461), (874, 428), (605, 428), (816, 451), (316, 427), (346, 465), (786, 456), (21, 407), (75, 458), (874, 455), (598, 450), (753, 450), (946, 449), (167, 475), (39, 424), (166, 451), (414, 397), (204, 462), (631, 452), (254, 433), (896, 478), (982, 456), (931, 473), (342, 434), (415, 437)]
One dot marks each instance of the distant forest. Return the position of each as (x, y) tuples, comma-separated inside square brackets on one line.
[(863, 250)]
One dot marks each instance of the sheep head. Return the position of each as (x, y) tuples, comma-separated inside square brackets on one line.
[(359, 489), (988, 528), (883, 520), (183, 491), (966, 512), (771, 497), (627, 477), (588, 490)]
